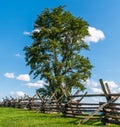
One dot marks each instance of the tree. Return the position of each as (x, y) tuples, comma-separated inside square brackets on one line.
[(55, 54)]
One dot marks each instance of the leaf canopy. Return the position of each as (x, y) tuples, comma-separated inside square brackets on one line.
[(55, 54)]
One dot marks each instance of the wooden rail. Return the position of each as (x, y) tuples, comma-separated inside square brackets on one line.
[(108, 111)]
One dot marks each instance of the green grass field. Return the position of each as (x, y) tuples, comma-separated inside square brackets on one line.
[(11, 117)]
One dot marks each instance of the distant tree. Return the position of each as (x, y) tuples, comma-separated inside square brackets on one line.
[(54, 55)]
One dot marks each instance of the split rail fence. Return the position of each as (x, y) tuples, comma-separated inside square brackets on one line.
[(75, 105)]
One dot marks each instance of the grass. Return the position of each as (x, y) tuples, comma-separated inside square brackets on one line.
[(11, 117)]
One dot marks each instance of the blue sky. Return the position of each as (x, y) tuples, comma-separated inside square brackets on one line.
[(16, 23)]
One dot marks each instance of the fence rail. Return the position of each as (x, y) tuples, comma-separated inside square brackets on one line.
[(107, 111)]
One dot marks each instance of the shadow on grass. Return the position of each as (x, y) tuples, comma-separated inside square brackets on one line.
[(91, 122)]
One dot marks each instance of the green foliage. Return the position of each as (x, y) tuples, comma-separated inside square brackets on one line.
[(54, 55)]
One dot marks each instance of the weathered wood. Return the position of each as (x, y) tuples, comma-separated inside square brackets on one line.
[(110, 108), (101, 107), (76, 93), (95, 95), (92, 104), (64, 91), (89, 107), (114, 122), (72, 105), (116, 104), (40, 97), (82, 97), (51, 97), (73, 97), (104, 89), (89, 116), (112, 113), (108, 89), (113, 116), (109, 111)]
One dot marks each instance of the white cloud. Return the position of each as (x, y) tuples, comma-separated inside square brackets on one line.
[(97, 90), (114, 88), (26, 33), (111, 84), (38, 84), (95, 35), (92, 83), (24, 77), (118, 90), (93, 86), (17, 94), (96, 87), (36, 30), (18, 55), (9, 75)]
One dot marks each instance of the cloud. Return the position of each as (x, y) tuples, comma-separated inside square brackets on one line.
[(118, 90), (18, 94), (114, 88), (24, 77), (18, 55), (111, 84), (36, 30), (9, 75), (97, 90), (92, 83), (95, 35), (26, 33), (38, 84), (95, 87)]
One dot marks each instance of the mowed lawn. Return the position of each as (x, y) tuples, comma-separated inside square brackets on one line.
[(11, 117)]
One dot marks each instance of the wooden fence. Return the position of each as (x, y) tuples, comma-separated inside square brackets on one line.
[(107, 111)]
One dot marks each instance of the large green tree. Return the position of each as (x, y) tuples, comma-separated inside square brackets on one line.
[(55, 54)]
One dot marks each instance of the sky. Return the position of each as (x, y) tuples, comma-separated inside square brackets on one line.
[(16, 24)]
